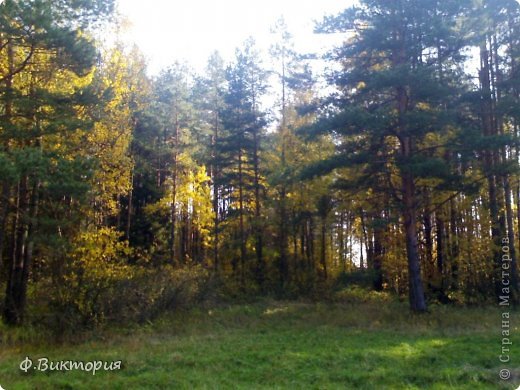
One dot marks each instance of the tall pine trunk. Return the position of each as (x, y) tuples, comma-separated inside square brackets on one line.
[(173, 210), (216, 197), (409, 202), (415, 286), (378, 259), (503, 157), (323, 254), (259, 245), (283, 226), (241, 216), (440, 250), (6, 187), (16, 292), (490, 161)]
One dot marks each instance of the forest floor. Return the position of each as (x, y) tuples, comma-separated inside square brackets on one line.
[(284, 345)]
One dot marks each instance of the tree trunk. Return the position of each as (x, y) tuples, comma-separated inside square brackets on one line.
[(341, 240), (428, 242), (309, 238), (16, 288), (323, 257), (215, 174), (241, 217), (129, 211), (439, 225), (283, 234), (490, 161), (260, 266), (499, 125), (6, 188), (415, 286), (378, 258), (416, 291), (4, 212), (174, 192)]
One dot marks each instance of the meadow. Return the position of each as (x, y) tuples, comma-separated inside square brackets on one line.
[(269, 344)]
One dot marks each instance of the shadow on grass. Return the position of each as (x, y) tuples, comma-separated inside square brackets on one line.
[(289, 345)]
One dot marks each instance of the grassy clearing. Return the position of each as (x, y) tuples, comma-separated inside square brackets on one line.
[(278, 345)]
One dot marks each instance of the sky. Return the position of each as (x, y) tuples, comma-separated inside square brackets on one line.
[(190, 30)]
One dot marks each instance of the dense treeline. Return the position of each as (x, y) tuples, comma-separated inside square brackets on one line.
[(123, 194)]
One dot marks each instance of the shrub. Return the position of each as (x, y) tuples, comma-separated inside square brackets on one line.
[(100, 286)]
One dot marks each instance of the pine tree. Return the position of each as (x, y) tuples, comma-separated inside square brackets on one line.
[(293, 77), (496, 32), (210, 101), (391, 101), (240, 149), (48, 57)]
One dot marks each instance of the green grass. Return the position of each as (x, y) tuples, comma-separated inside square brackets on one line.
[(282, 345)]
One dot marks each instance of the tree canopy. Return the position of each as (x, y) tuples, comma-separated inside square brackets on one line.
[(119, 188)]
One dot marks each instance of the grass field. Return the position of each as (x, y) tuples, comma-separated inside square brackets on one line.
[(283, 345)]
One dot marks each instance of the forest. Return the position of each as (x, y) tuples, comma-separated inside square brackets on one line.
[(281, 219), (125, 195)]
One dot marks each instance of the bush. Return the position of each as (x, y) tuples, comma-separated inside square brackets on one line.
[(100, 286), (357, 294), (141, 297)]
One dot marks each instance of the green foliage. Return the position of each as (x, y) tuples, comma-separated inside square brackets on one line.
[(100, 286), (123, 196)]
